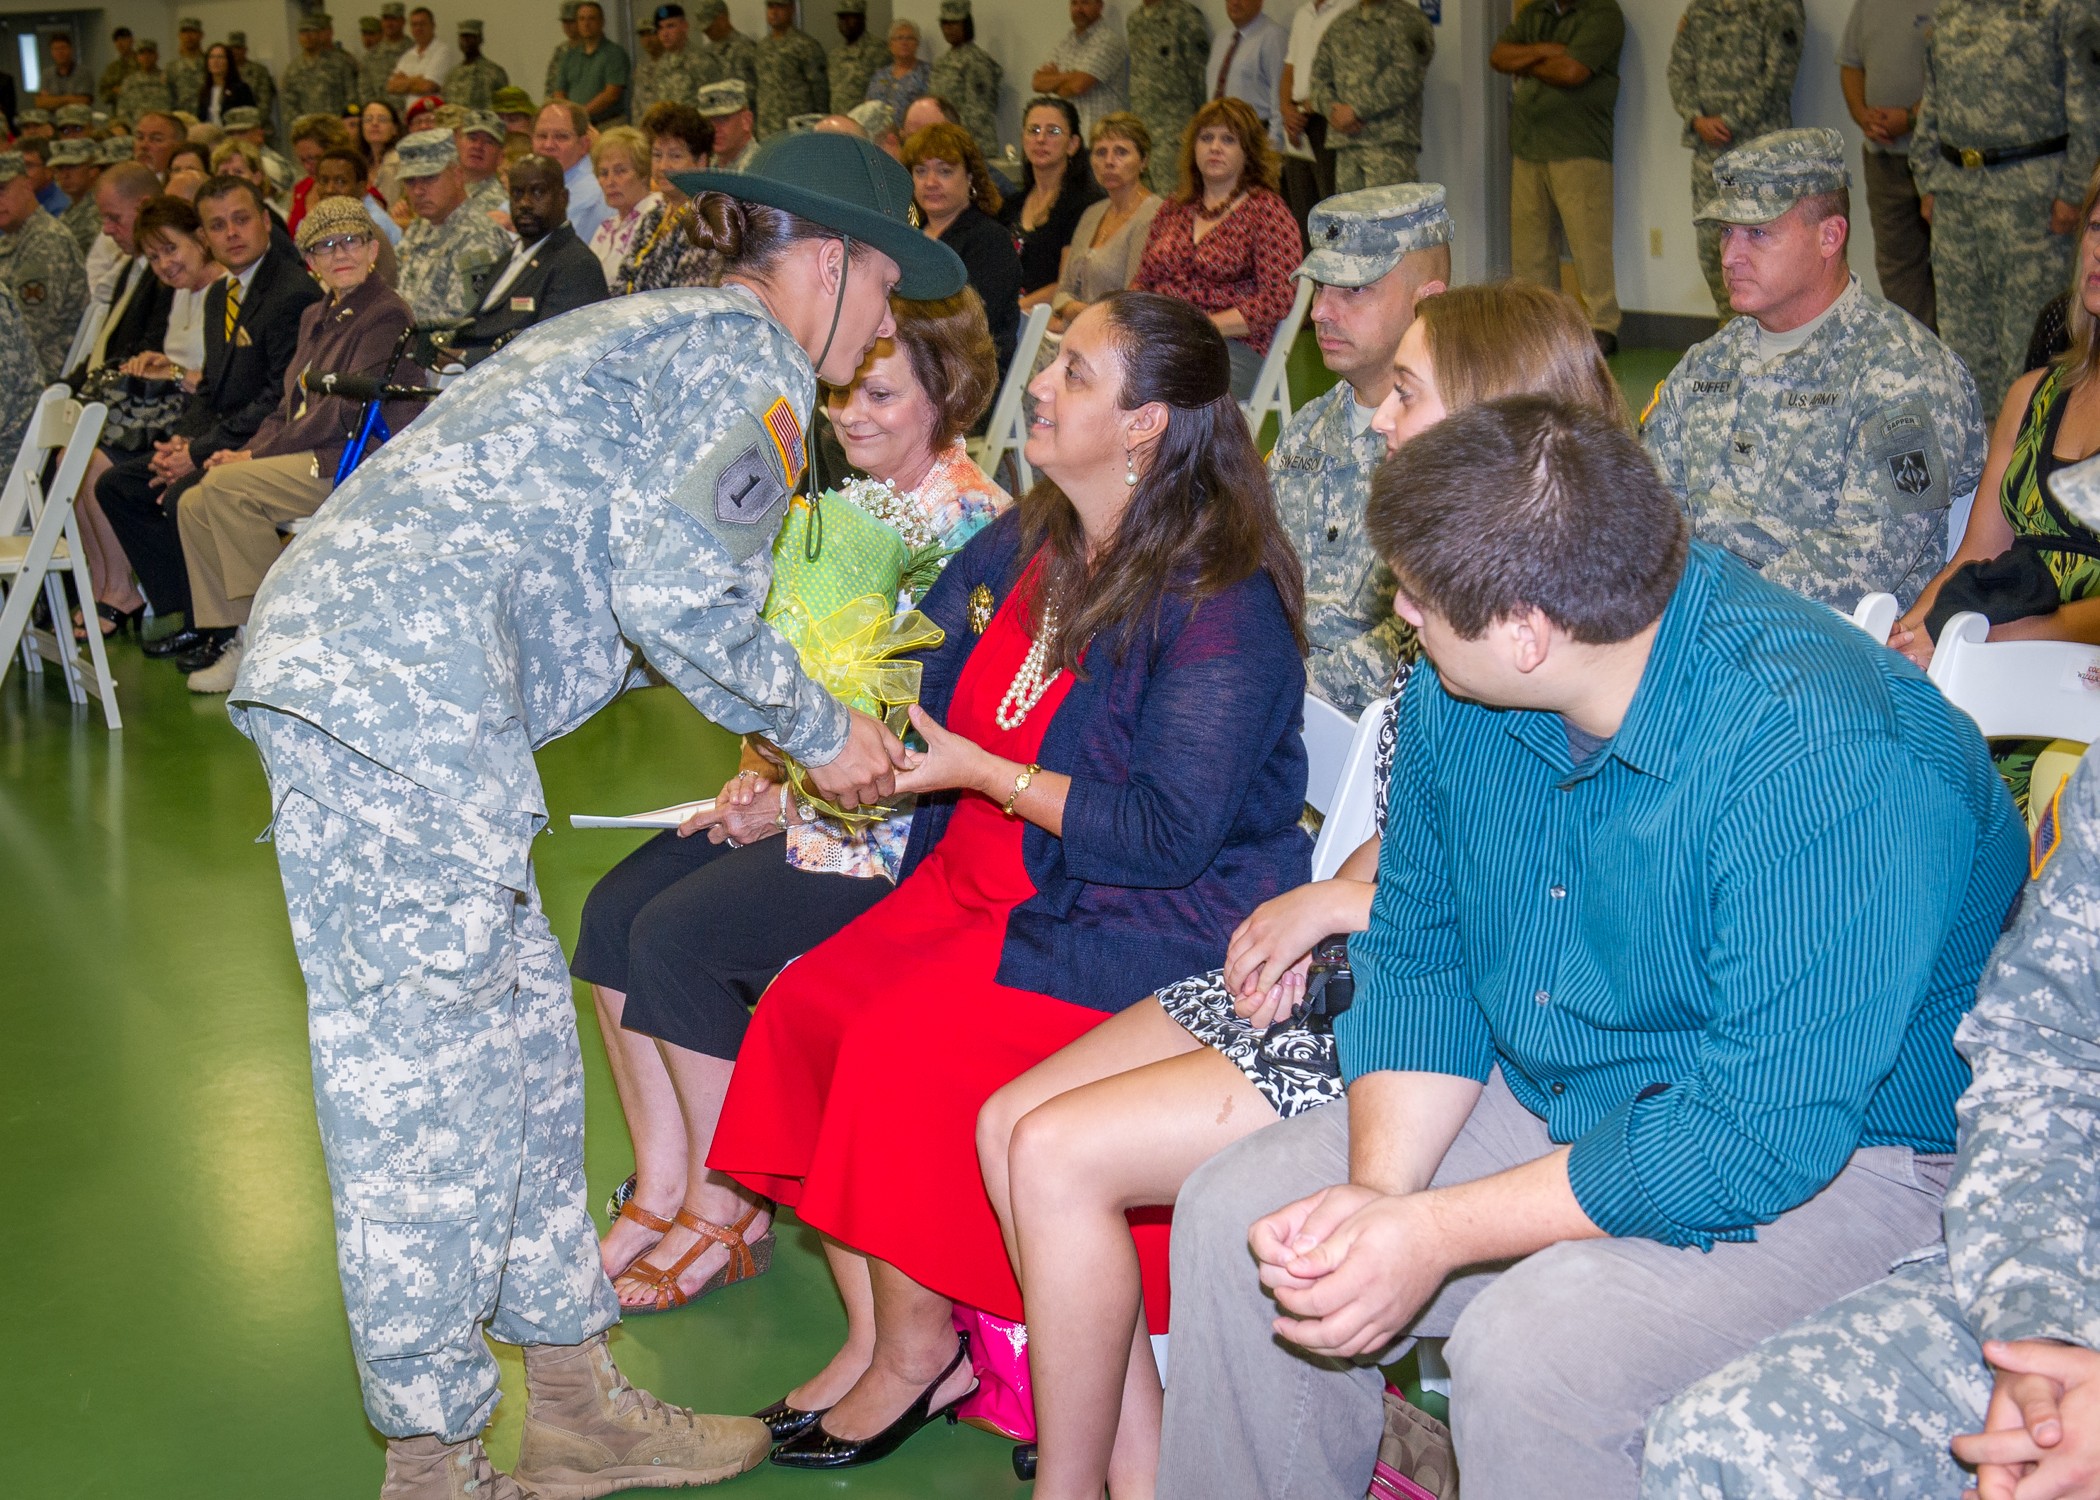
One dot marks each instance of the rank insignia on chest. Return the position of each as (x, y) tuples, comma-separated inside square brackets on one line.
[(1907, 471), (32, 291), (980, 609), (786, 433), (1744, 447)]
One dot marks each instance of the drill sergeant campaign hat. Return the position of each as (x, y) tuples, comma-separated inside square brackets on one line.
[(426, 153), (848, 185), (1761, 179), (1358, 237)]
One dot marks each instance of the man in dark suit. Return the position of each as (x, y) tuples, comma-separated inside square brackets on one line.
[(251, 328), (550, 272), (139, 301)]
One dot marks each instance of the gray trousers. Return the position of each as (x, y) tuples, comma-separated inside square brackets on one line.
[(1902, 238), (1556, 1361)]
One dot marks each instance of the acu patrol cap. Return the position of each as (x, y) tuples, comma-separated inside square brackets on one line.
[(1761, 179), (78, 152), (313, 21), (1358, 237), (874, 116), (569, 9), (426, 153), (395, 10), (236, 38), (244, 117), (32, 117), (146, 44), (470, 28), (955, 10), (716, 100), (12, 165), (369, 26), (483, 122), (705, 12), (853, 7), (115, 151), (73, 117), (511, 100), (190, 23)]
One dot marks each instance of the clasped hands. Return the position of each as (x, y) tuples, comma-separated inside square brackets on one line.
[(171, 461), (2041, 1430)]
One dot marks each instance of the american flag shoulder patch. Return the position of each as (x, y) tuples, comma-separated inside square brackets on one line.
[(786, 433), (2048, 833)]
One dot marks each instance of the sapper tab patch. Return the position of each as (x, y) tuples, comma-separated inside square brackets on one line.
[(787, 437)]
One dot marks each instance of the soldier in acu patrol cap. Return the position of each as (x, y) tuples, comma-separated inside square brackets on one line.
[(21, 378), (854, 60), (967, 76), (186, 68), (1367, 81), (261, 82), (473, 83), (73, 121), (1887, 1393), (602, 494), (41, 264), (32, 123), (1821, 436), (728, 108), (380, 59), (314, 84), (453, 248), (1375, 253), (793, 77), (77, 165), (722, 52)]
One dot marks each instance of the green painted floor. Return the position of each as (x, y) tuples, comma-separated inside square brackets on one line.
[(169, 1317)]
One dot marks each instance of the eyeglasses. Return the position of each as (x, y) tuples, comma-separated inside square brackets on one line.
[(337, 244), (1053, 131)]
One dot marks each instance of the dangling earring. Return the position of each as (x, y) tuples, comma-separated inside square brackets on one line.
[(1130, 468)]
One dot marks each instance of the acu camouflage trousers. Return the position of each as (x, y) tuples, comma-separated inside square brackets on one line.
[(1994, 264), (449, 1085)]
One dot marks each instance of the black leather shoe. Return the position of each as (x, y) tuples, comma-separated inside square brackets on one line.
[(206, 651), (786, 1422), (817, 1449), (173, 644)]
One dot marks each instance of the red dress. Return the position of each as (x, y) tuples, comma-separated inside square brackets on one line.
[(856, 1092)]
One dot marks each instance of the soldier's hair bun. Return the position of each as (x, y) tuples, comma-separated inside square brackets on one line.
[(720, 224), (749, 237)]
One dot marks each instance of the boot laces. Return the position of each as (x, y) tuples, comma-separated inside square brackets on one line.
[(628, 1399)]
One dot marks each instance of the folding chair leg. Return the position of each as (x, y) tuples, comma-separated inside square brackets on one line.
[(62, 648), (105, 686)]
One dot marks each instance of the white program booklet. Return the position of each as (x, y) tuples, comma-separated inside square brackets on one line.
[(663, 817)]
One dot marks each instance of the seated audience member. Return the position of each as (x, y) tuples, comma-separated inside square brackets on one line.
[(2051, 339), (1110, 236), (42, 266), (228, 517), (36, 162), (1684, 886), (190, 156), (251, 320), (959, 204), (76, 169), (727, 108), (20, 386), (1380, 255), (154, 137), (878, 122), (379, 133), (562, 132), (681, 938), (340, 173), (549, 272), (1821, 436), (1124, 1115), (449, 253), (238, 158), (312, 135), (621, 159), (1970, 1370), (665, 251), (480, 138), (1056, 188), (1081, 840), (247, 124), (1226, 241)]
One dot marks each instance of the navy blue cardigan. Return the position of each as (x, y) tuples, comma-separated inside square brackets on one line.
[(1187, 761)]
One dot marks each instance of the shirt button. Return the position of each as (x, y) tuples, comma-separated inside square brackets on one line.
[(1557, 892), (1559, 1089), (1542, 997)]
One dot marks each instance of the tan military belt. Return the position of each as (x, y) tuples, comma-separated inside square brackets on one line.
[(1970, 159)]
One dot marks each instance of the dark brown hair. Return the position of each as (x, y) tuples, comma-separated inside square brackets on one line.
[(226, 185), (1200, 519), (950, 350), (953, 144), (749, 237), (354, 160), (1529, 502), (165, 213), (685, 123), (1261, 166)]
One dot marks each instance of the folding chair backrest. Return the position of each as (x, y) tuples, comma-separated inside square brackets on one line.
[(1328, 734), (1007, 431), (1272, 387), (50, 425), (84, 333), (1352, 813), (2048, 690), (1876, 615)]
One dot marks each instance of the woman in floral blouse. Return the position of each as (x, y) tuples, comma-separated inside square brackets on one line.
[(1226, 241), (681, 937)]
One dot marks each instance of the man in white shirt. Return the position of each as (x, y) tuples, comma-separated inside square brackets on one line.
[(421, 70), (1090, 67), (1308, 166), (1246, 62)]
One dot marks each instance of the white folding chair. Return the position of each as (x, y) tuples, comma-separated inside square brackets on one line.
[(91, 318), (1876, 615), (2039, 690), (1007, 432), (1328, 733), (39, 561), (1351, 815), (1272, 387)]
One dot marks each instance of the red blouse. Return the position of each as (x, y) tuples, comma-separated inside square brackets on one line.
[(1245, 261)]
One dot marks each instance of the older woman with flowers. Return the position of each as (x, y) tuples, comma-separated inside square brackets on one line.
[(680, 938)]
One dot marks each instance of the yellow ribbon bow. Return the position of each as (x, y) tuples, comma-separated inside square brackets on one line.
[(852, 654)]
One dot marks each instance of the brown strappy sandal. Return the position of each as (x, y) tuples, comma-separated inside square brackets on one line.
[(746, 1260), (635, 1213)]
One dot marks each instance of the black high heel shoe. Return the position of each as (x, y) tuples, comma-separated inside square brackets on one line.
[(786, 1422), (815, 1448)]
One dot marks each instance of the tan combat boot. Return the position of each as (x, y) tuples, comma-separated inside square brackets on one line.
[(427, 1468), (589, 1433)]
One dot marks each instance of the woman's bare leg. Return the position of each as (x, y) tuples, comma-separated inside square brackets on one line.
[(914, 1341), (107, 564), (653, 1125), (849, 1269), (1075, 1164), (1133, 1465)]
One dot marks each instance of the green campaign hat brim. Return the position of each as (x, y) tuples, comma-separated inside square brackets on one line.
[(929, 269)]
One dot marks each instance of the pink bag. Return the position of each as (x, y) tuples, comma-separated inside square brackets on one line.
[(1003, 1402), (1415, 1457)]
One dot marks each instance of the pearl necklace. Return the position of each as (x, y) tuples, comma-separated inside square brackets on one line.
[(1030, 681)]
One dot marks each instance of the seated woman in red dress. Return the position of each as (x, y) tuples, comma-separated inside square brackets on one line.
[(1113, 781)]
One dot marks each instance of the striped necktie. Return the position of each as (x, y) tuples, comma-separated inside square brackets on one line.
[(233, 305)]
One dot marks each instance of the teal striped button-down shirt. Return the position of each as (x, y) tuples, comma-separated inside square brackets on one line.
[(1725, 951)]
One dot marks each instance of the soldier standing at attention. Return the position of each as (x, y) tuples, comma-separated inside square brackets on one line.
[(1881, 68), (1731, 80), (145, 88), (2006, 134), (675, 74), (1564, 55), (315, 83), (186, 68), (967, 77), (724, 52), (256, 75), (75, 165), (41, 265), (854, 60), (1375, 254), (568, 40), (472, 84), (601, 495), (792, 78), (118, 68), (1367, 81), (382, 57), (1821, 436), (449, 253), (1169, 53), (1970, 1364)]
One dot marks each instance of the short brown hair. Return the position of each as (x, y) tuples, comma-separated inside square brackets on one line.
[(1261, 167), (165, 214), (1122, 125), (684, 122), (1529, 502), (354, 160), (952, 143), (949, 347)]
